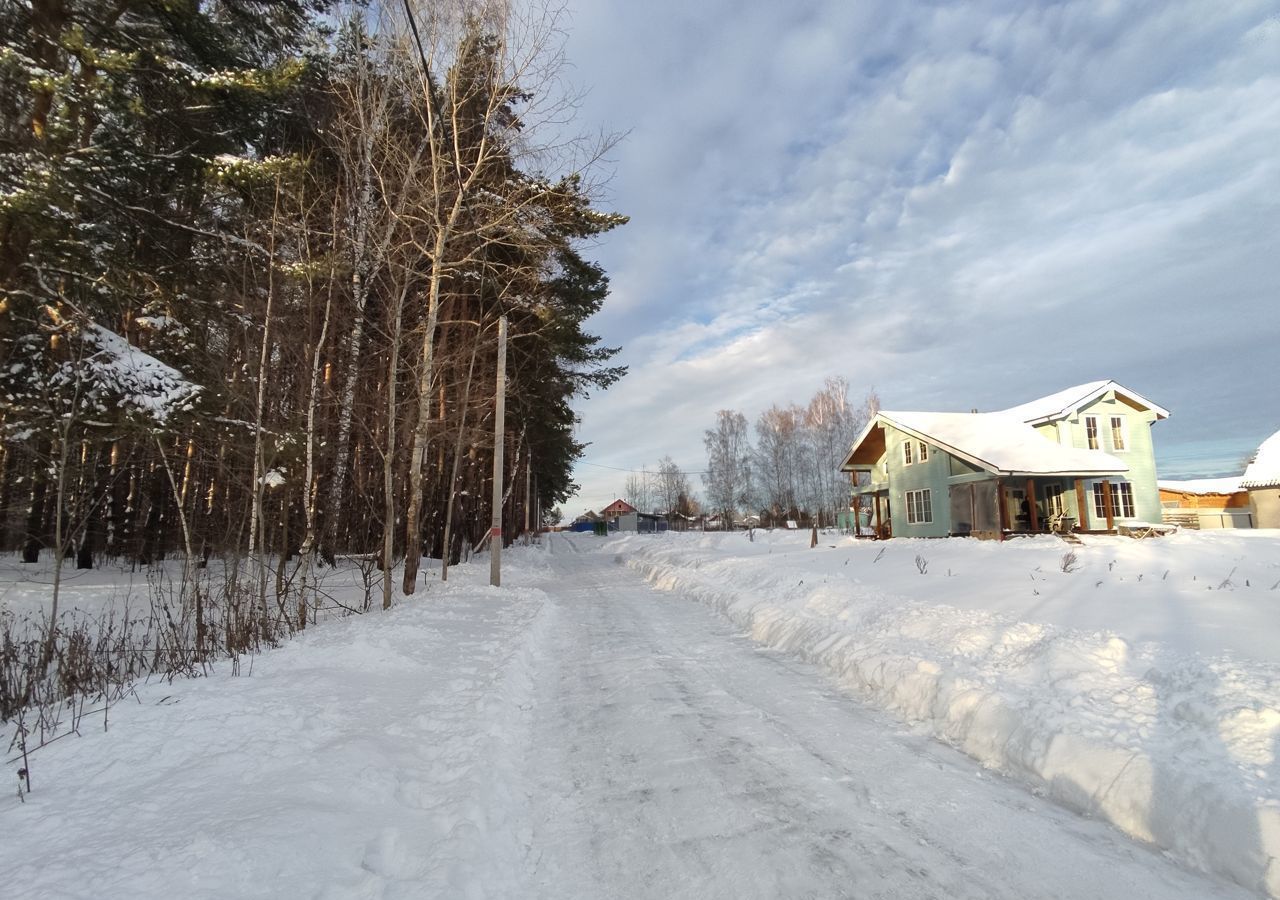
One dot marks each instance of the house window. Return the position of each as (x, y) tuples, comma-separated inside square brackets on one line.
[(1091, 432), (1053, 499), (919, 508), (1121, 501), (924, 452), (1117, 433), (906, 453)]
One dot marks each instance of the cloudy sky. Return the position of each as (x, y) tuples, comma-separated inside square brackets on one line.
[(961, 205)]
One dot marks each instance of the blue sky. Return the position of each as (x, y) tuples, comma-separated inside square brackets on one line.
[(958, 205)]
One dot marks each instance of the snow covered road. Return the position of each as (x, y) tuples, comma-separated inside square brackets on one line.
[(575, 734), (672, 757)]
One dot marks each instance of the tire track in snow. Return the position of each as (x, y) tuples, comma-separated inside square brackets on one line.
[(673, 758)]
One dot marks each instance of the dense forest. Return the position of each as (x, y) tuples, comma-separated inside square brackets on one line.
[(253, 256)]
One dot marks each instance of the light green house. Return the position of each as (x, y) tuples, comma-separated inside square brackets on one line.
[(1081, 459)]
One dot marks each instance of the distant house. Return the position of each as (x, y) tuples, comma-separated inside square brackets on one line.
[(1079, 459), (615, 509), (1262, 480), (1205, 503), (585, 522), (641, 523)]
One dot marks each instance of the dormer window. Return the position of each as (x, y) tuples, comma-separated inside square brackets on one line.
[(1091, 432)]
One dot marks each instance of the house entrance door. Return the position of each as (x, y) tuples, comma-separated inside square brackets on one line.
[(1017, 508)]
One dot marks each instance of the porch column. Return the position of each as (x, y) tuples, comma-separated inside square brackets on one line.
[(1106, 501), (1004, 507), (1033, 521), (1081, 509), (855, 504), (879, 525)]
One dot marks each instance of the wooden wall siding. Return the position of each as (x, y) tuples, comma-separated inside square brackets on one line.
[(1140, 455), (930, 475), (1238, 500)]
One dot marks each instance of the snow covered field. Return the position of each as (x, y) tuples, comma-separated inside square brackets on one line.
[(579, 733)]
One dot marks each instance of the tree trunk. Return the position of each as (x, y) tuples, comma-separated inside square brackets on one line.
[(36, 510), (446, 552), (413, 525), (389, 457)]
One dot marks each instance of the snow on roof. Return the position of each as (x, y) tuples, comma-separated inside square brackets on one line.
[(1003, 443), (1067, 401), (1203, 485), (1264, 471)]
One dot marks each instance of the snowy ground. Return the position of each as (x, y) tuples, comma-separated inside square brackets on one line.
[(578, 733), (1141, 688)]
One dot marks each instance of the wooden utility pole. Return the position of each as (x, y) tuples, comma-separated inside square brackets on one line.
[(528, 466), (499, 417)]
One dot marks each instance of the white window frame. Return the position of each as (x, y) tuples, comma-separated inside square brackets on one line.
[(1092, 438), (1053, 504), (919, 507), (924, 452), (1123, 432), (1122, 505), (1099, 502), (906, 453)]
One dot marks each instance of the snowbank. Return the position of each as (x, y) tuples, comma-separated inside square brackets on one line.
[(379, 755), (1175, 748)]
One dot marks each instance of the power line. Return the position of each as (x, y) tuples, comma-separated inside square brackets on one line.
[(583, 462)]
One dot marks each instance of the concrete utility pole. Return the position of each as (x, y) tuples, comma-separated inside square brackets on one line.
[(499, 421)]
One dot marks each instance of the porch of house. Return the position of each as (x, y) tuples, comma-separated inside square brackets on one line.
[(996, 508), (1001, 507), (870, 511)]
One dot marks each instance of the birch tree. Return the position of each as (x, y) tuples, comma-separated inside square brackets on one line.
[(728, 475)]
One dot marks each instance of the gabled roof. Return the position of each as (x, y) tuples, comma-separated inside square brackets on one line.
[(1264, 470), (998, 442), (1065, 402)]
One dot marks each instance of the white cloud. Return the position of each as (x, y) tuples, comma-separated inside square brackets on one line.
[(961, 206)]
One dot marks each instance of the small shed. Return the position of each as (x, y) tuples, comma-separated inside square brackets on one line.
[(1262, 480), (1205, 503)]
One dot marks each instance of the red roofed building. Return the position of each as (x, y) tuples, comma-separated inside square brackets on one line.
[(615, 509)]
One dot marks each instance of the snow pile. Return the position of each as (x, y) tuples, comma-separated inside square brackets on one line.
[(1174, 747), (379, 755)]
